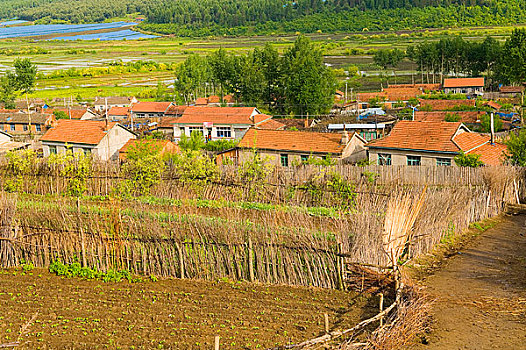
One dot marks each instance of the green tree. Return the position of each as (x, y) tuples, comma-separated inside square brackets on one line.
[(193, 143), (143, 168), (308, 84), (512, 64), (192, 74), (468, 160), (517, 148), (485, 123)]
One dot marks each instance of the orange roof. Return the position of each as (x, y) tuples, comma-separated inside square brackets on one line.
[(121, 111), (511, 89), (167, 122), (150, 107), (425, 136), (491, 154), (88, 132), (298, 141), (201, 101), (366, 96), (441, 105), (493, 105), (214, 99), (75, 113), (2, 110), (441, 137), (228, 99), (468, 141), (463, 82), (391, 94), (467, 117), (175, 110), (271, 124), (221, 115), (423, 87)]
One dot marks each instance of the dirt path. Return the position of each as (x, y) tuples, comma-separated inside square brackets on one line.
[(481, 293)]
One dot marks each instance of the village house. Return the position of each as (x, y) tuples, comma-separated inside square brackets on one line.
[(101, 139), (432, 144), (215, 101), (149, 109), (287, 148), (164, 147), (368, 131), (216, 123), (25, 124), (119, 113), (510, 91), (468, 86), (7, 144), (101, 103)]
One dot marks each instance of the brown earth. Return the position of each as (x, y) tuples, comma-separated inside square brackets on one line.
[(167, 314), (481, 292)]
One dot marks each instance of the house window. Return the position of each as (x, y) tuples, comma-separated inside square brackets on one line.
[(224, 132), (384, 159), (52, 149), (304, 158), (284, 160), (12, 126), (25, 127), (38, 127), (191, 129), (414, 160), (444, 161)]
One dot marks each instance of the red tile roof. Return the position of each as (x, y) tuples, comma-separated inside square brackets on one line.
[(463, 82), (176, 110), (441, 137), (168, 122), (423, 87), (467, 117), (491, 154), (511, 89), (428, 136), (120, 111), (298, 141), (271, 124), (214, 99), (221, 115), (201, 101), (493, 105), (77, 131), (150, 107), (74, 112), (442, 105)]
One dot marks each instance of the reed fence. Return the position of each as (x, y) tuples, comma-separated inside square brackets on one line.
[(306, 250)]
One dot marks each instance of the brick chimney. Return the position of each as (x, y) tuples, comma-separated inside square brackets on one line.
[(345, 138)]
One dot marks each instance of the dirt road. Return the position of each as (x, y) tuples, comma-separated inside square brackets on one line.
[(481, 293)]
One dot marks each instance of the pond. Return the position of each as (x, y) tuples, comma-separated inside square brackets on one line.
[(125, 34), (50, 29)]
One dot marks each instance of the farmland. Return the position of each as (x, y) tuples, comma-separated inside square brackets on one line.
[(181, 314), (340, 50)]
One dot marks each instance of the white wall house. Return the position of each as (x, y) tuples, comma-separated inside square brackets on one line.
[(217, 123), (100, 139)]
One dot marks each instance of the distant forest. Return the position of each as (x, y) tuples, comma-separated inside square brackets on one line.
[(243, 17)]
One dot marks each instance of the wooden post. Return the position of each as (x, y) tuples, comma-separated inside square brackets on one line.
[(181, 261), (250, 260), (381, 308), (216, 343), (326, 321), (82, 238), (340, 267)]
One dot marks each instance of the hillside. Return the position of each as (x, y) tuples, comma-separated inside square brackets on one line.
[(245, 17)]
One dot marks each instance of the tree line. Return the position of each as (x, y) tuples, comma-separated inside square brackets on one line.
[(245, 17), (296, 82), (501, 63)]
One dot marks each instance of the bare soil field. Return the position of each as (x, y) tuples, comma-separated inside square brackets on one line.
[(481, 292), (167, 314)]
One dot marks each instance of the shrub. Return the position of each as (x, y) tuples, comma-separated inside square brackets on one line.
[(468, 160), (76, 167)]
